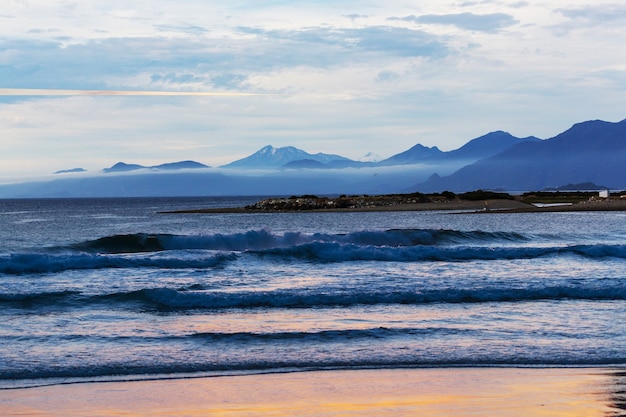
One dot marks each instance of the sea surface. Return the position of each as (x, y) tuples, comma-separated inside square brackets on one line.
[(114, 289)]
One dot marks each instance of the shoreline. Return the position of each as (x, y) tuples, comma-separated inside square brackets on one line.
[(528, 392), (479, 206)]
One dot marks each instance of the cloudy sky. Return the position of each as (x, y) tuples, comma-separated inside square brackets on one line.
[(345, 77)]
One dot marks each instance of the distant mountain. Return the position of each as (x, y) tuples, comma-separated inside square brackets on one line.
[(149, 183), (289, 157), (270, 157), (487, 145), (123, 167), (593, 151), (349, 163), (305, 164), (370, 157), (69, 171), (585, 186), (336, 164), (482, 147), (587, 154), (417, 154), (171, 166)]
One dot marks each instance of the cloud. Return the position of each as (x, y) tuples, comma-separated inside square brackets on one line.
[(230, 81), (467, 21), (64, 92), (400, 41), (612, 78), (354, 16), (177, 78), (199, 63), (386, 76), (192, 30), (355, 79), (115, 63), (602, 22), (337, 42), (600, 14)]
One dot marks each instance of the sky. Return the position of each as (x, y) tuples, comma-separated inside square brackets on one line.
[(341, 77)]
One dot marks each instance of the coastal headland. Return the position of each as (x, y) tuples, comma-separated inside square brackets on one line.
[(478, 201)]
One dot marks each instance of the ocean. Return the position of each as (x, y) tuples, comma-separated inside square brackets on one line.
[(115, 289)]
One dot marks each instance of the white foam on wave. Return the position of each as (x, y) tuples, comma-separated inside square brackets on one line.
[(263, 239), (46, 263), (206, 252), (335, 252)]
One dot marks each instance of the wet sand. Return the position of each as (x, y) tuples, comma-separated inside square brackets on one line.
[(446, 392)]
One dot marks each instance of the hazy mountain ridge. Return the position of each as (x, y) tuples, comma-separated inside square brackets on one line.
[(270, 157), (170, 166), (488, 145), (417, 154), (588, 152), (592, 151), (289, 157), (70, 171)]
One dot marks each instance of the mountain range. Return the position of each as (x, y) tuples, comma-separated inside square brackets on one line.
[(588, 152), (289, 157), (593, 151), (171, 166), (270, 157)]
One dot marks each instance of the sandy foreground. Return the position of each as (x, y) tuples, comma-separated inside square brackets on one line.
[(400, 392)]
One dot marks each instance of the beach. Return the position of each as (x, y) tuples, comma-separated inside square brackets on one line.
[(110, 308), (446, 392)]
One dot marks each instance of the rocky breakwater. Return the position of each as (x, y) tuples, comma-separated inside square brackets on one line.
[(487, 201), (356, 202)]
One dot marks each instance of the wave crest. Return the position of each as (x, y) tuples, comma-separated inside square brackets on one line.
[(169, 299), (262, 239), (205, 251), (38, 263)]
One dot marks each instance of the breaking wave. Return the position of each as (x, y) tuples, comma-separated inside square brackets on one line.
[(47, 263), (179, 300), (262, 239), (168, 251), (334, 252)]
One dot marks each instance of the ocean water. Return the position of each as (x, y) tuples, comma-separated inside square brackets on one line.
[(113, 289)]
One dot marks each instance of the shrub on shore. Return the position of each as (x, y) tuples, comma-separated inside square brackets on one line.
[(485, 195)]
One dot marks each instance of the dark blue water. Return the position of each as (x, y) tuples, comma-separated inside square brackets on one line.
[(105, 289)]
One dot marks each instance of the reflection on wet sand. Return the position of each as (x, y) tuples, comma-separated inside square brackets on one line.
[(401, 392), (617, 394)]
